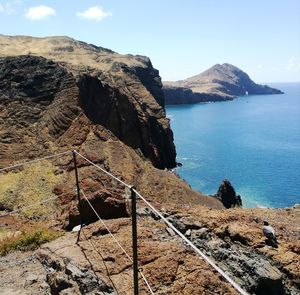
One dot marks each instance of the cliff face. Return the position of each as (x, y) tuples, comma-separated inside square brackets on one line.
[(36, 106), (220, 82), (105, 111), (122, 93)]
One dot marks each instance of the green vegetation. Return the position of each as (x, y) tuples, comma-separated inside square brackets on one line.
[(27, 240)]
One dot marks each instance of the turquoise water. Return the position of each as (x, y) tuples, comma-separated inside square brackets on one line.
[(254, 141)]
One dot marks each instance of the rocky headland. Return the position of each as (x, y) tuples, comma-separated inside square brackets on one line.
[(219, 83), (59, 94)]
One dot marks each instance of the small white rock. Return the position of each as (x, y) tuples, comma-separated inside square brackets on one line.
[(77, 228), (188, 233)]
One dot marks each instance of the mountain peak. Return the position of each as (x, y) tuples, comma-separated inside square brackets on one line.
[(225, 67)]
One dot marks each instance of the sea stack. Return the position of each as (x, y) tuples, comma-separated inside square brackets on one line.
[(226, 193)]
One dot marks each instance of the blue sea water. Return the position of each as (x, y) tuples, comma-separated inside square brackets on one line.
[(254, 141)]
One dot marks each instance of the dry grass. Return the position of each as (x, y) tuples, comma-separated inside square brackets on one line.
[(50, 47), (29, 239), (3, 233), (31, 185)]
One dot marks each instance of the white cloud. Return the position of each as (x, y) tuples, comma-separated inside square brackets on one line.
[(39, 12), (293, 65), (94, 13), (9, 6)]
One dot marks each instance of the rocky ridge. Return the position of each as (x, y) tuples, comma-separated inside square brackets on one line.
[(219, 83)]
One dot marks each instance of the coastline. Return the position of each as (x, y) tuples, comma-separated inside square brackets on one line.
[(192, 160)]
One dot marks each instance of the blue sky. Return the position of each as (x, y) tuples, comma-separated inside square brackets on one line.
[(182, 38)]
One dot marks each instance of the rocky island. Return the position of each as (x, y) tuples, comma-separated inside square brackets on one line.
[(219, 83), (58, 94)]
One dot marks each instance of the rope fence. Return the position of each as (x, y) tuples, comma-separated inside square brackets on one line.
[(142, 198), (35, 160), (197, 250), (27, 207), (116, 241)]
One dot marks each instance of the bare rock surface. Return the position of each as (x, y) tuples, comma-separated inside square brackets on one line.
[(234, 239), (168, 266), (231, 238), (21, 273)]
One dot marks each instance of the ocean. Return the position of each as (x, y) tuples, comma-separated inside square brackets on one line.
[(254, 141)]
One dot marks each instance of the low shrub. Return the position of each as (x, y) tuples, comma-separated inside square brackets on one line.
[(28, 240)]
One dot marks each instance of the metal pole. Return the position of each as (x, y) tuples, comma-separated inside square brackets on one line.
[(134, 243), (78, 194)]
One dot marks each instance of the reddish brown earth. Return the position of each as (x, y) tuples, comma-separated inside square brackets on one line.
[(97, 262)]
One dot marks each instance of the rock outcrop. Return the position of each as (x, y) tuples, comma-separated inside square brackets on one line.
[(233, 238), (226, 193), (219, 83)]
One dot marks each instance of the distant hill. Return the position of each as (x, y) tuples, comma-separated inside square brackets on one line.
[(220, 82)]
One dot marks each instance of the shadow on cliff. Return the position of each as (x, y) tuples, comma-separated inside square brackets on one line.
[(126, 119)]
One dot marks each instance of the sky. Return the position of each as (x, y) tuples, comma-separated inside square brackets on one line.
[(182, 38)]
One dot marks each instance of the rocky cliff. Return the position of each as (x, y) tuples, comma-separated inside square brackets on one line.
[(107, 106), (58, 94), (220, 82), (128, 99)]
